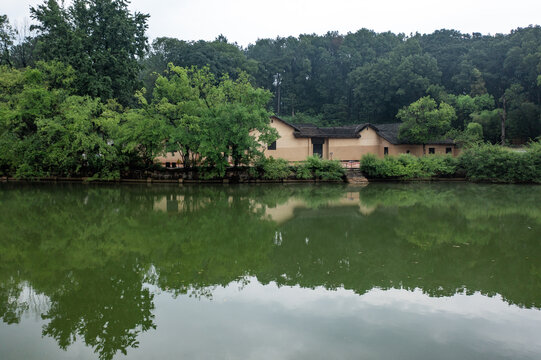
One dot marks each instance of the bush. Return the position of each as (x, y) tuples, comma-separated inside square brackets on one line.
[(274, 169), (321, 169), (270, 169), (439, 166), (488, 162), (482, 162), (313, 168), (302, 171), (406, 166), (370, 166)]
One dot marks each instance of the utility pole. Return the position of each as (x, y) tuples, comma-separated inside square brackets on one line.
[(278, 83), (503, 118)]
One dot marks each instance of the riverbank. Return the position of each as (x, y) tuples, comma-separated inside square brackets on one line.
[(172, 180), (353, 179)]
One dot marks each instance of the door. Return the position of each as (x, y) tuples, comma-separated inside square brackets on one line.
[(317, 146), (318, 150)]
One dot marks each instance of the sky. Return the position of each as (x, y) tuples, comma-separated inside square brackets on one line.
[(245, 21)]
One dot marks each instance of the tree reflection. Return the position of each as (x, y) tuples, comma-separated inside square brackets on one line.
[(107, 308)]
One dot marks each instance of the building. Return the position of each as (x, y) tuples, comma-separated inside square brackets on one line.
[(346, 143)]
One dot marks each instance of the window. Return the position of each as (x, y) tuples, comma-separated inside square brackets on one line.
[(407, 151), (431, 150), (386, 151), (272, 146), (167, 164), (174, 164), (448, 150)]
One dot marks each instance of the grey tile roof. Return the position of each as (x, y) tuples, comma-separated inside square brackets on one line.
[(390, 133), (343, 132)]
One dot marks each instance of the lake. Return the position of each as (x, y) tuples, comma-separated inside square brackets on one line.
[(384, 271)]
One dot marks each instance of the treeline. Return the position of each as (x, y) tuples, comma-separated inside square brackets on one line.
[(330, 79), (337, 79)]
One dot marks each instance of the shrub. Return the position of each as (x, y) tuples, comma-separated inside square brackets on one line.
[(488, 162), (302, 171), (439, 166), (322, 168), (312, 167), (406, 166), (275, 169), (370, 166), (270, 168)]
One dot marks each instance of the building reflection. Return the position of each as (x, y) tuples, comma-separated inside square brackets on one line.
[(279, 213)]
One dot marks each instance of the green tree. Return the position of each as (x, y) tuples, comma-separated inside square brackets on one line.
[(142, 134), (424, 121), (236, 125), (467, 105), (45, 130), (7, 34), (490, 122), (209, 121), (220, 56), (101, 39), (472, 135), (180, 99)]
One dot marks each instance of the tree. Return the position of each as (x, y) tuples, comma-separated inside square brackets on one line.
[(472, 135), (7, 34), (208, 121), (490, 122), (382, 87), (219, 55), (520, 116), (236, 125), (45, 130), (142, 133), (466, 105), (180, 98), (100, 39), (424, 121), (23, 51)]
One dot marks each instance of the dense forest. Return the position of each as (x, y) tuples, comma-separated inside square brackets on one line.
[(183, 93), (366, 76)]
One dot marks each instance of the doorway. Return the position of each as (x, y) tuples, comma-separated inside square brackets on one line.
[(318, 150), (317, 146)]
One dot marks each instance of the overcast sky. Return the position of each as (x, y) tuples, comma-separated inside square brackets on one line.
[(244, 21)]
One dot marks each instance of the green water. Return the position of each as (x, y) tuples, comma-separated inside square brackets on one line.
[(386, 271)]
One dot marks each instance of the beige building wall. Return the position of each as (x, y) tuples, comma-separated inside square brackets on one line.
[(288, 146), (416, 149), (355, 148), (170, 157), (394, 150)]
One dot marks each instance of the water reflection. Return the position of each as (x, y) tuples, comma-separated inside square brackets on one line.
[(97, 256)]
